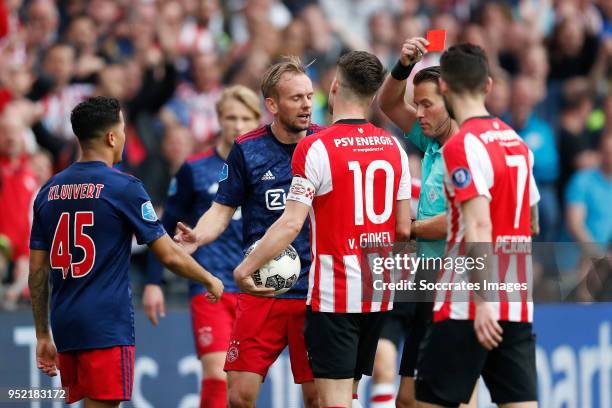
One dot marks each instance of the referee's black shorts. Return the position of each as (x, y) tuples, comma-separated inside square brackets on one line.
[(342, 345), (452, 359), (408, 321)]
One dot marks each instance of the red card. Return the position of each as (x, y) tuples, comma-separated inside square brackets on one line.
[(436, 39)]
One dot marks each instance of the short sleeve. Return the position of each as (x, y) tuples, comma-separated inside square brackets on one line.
[(534, 193), (311, 161), (38, 240), (417, 137), (233, 179), (404, 191), (469, 170), (180, 192), (136, 206)]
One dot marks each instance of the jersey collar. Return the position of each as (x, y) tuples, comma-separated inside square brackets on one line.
[(350, 122)]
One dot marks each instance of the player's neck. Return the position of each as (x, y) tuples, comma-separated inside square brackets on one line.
[(343, 110), (448, 132), (467, 106), (90, 155), (284, 135), (223, 148)]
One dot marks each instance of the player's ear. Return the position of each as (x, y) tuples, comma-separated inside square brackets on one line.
[(111, 138), (271, 105), (335, 85), (488, 85)]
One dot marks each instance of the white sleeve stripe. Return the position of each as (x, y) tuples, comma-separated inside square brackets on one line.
[(480, 165), (317, 168), (404, 191)]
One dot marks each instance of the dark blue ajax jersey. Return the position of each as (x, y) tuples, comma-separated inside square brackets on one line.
[(86, 217), (257, 177)]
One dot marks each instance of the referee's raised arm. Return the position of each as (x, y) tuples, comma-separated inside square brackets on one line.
[(391, 97)]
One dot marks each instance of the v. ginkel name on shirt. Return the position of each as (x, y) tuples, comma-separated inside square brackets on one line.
[(79, 191), (371, 240)]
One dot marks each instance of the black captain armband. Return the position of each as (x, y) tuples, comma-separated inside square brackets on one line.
[(400, 71)]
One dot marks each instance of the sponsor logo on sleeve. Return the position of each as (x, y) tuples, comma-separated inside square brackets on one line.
[(461, 177), (148, 212)]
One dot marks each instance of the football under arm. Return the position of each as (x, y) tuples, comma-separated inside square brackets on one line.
[(402, 220), (38, 282), (278, 237), (173, 257), (213, 222)]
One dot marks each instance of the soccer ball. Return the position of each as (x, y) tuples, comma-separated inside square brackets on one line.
[(280, 272)]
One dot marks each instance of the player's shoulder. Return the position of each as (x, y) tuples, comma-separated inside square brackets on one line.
[(314, 128), (201, 157), (253, 136)]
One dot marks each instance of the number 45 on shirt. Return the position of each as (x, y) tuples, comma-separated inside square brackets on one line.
[(61, 258)]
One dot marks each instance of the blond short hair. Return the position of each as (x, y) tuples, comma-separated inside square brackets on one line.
[(243, 95), (289, 64)]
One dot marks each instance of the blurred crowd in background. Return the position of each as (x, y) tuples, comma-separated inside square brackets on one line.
[(168, 62)]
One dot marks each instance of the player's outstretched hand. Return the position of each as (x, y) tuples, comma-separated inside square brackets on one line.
[(186, 238), (215, 290), (413, 50), (247, 285), (153, 302), (487, 328), (46, 355)]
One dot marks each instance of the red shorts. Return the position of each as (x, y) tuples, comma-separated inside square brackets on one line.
[(212, 322), (98, 374), (263, 328)]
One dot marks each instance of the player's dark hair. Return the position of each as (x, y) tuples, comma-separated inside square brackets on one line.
[(464, 68), (94, 116), (361, 72), (429, 74)]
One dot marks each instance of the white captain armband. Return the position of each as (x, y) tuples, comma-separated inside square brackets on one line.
[(301, 190)]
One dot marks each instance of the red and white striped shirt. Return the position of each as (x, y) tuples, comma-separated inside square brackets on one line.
[(487, 158), (352, 173)]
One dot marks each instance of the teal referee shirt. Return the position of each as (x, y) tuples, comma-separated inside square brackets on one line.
[(432, 201)]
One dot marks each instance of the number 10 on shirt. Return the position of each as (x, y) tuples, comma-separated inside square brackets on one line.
[(375, 165)]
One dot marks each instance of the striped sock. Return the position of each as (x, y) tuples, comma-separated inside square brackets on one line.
[(383, 396)]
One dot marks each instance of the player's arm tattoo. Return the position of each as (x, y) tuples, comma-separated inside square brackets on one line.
[(38, 281)]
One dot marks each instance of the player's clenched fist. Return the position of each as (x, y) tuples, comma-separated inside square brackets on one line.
[(215, 289), (413, 50)]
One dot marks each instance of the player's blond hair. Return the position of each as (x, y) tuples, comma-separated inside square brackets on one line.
[(243, 95), (289, 64)]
